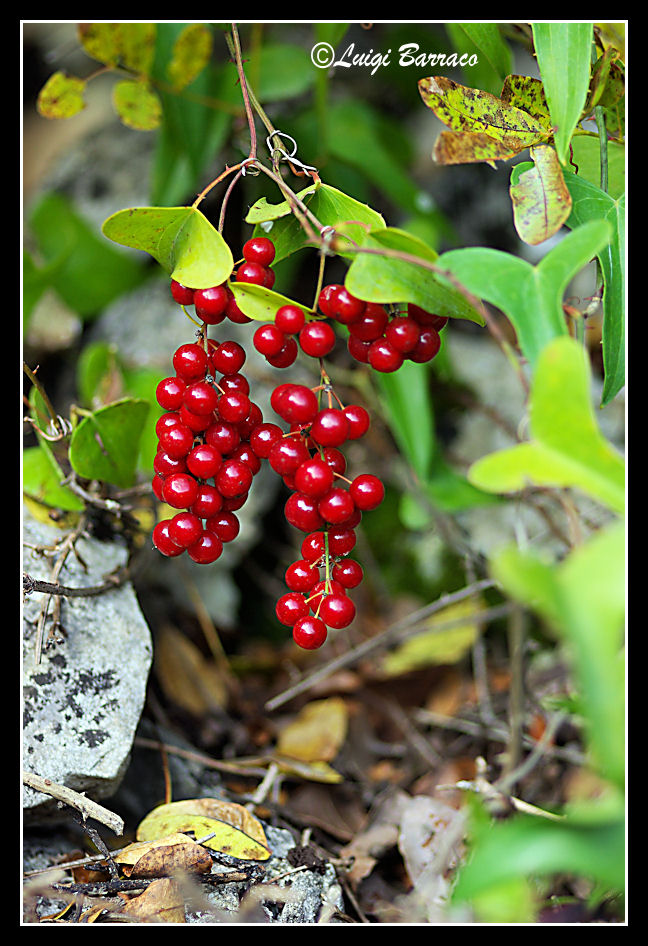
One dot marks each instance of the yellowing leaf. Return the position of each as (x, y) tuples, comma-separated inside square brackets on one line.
[(317, 733), (311, 771), (137, 105), (61, 96), (437, 646), (540, 198), (191, 52), (101, 41), (188, 678), (237, 832), (454, 147), (164, 857)]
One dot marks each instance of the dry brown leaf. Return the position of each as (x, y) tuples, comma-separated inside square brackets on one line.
[(317, 733), (188, 678), (164, 857), (161, 902)]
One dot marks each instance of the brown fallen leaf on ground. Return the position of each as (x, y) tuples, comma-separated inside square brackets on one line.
[(161, 902), (164, 857)]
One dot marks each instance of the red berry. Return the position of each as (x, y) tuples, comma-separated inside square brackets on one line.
[(182, 294), (225, 437), (195, 422), (169, 393), (290, 319), (180, 490), (227, 358), (190, 362), (314, 477), (312, 547), (259, 250), (426, 318), (337, 610), (330, 427), (200, 398), (287, 454), (163, 542), (166, 421), (358, 349), (291, 607), (348, 573), (302, 513), (233, 407), (264, 437), (204, 461), (335, 459), (234, 382), (320, 591), (246, 454), (206, 550), (384, 357), (309, 632), (298, 405), (165, 465), (347, 308), (336, 506), (252, 273), (225, 525), (269, 278), (371, 324), (367, 491), (233, 313), (326, 300), (233, 479), (211, 304), (317, 339), (269, 339), (341, 541), (208, 503), (251, 422), (428, 346), (403, 333), (287, 356), (358, 420), (184, 529), (177, 441), (156, 484), (302, 575)]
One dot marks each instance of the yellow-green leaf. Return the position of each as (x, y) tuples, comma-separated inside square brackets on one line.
[(471, 110), (61, 96), (540, 198), (455, 147), (435, 645), (237, 832), (100, 41), (191, 53), (137, 45), (317, 733), (137, 105), (527, 93)]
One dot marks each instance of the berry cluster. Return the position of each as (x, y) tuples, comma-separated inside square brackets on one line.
[(324, 504), (212, 437)]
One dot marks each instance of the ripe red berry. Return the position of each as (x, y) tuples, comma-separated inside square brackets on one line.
[(403, 333), (169, 393), (259, 250), (358, 349), (309, 632), (287, 454), (190, 362), (347, 308), (330, 427), (269, 339), (367, 491), (337, 610), (208, 503), (326, 300), (335, 459), (264, 437), (341, 541), (317, 339), (320, 591), (313, 547), (211, 304), (233, 479), (225, 437), (182, 294), (426, 318), (298, 404), (287, 356), (185, 529), (246, 454), (206, 550), (348, 573), (234, 313), (163, 542), (384, 357), (427, 347), (227, 358), (314, 477), (200, 398), (336, 506), (177, 441), (252, 273), (291, 607), (371, 324), (204, 461), (302, 513), (195, 422), (302, 575), (290, 319), (233, 407), (165, 465), (225, 525), (358, 419), (180, 490)]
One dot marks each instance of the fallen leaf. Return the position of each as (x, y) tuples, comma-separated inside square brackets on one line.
[(188, 678), (161, 902), (237, 832), (164, 857), (317, 733)]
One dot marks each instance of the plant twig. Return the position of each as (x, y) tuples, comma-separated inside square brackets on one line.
[(87, 807)]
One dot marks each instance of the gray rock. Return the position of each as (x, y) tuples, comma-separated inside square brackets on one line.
[(82, 702)]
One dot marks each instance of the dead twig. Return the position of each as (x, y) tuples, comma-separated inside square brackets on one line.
[(87, 807)]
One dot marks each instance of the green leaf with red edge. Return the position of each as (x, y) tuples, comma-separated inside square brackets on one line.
[(181, 239)]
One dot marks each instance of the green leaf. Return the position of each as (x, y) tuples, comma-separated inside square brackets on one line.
[(586, 155), (377, 274), (590, 203), (42, 477), (86, 272), (137, 105), (540, 199), (100, 41), (526, 846), (583, 600), (61, 96), (104, 445), (259, 303), (283, 71), (486, 37), (527, 93), (530, 296), (192, 51), (137, 46), (567, 448), (563, 52), (99, 375), (181, 239)]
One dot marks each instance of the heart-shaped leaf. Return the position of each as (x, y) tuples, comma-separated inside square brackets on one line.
[(540, 198), (259, 303), (181, 239), (105, 444), (567, 449), (61, 96)]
